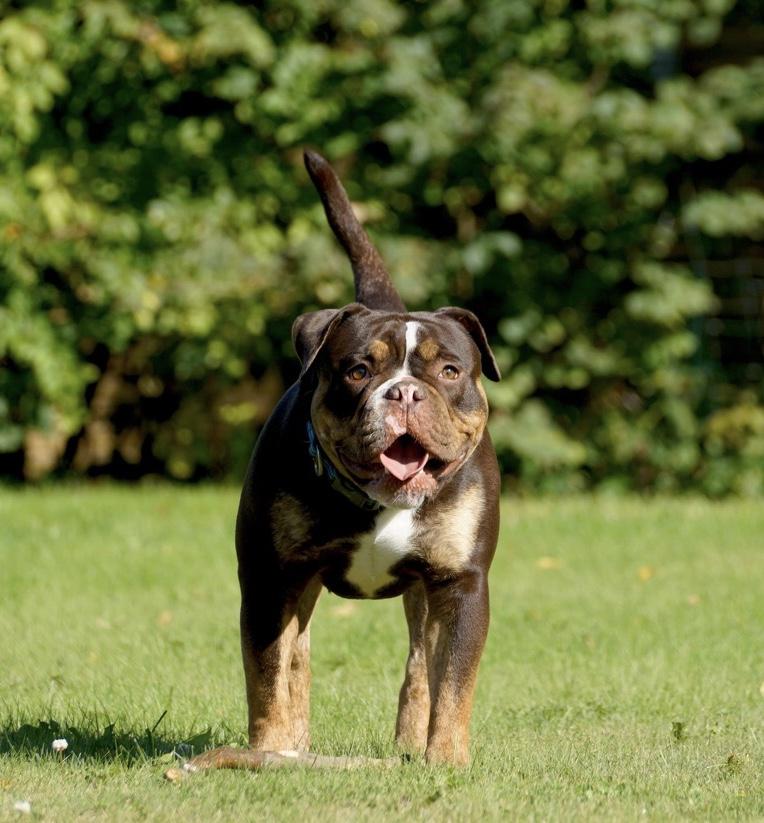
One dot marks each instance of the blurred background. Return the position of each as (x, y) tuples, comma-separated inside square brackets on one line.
[(586, 176)]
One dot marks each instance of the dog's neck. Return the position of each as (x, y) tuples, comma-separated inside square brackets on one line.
[(323, 467)]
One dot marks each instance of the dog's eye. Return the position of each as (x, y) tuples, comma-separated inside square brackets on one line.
[(358, 373), (449, 372)]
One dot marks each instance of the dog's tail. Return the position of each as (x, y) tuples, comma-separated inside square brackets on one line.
[(373, 286)]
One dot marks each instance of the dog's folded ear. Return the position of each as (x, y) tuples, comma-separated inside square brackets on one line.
[(311, 331), (476, 331)]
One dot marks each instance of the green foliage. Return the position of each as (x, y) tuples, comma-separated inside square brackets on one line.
[(545, 164)]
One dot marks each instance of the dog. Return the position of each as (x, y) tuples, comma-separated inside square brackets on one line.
[(374, 477)]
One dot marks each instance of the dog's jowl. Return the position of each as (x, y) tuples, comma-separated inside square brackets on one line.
[(374, 477)]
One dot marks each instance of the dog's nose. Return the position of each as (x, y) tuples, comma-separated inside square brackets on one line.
[(405, 392)]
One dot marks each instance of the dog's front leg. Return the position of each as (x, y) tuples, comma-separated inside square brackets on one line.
[(457, 624), (275, 644)]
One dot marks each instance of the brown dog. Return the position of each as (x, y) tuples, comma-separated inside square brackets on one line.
[(374, 477)]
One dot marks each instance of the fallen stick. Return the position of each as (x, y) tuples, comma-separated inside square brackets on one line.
[(227, 757)]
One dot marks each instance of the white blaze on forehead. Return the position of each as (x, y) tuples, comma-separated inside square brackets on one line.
[(412, 331), (380, 549)]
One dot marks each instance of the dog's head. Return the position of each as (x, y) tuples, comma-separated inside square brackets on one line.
[(397, 402)]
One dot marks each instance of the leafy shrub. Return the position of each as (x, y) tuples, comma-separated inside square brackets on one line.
[(549, 165)]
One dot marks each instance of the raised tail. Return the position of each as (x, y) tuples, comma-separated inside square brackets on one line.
[(373, 286)]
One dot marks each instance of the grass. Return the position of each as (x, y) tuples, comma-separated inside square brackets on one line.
[(622, 679)]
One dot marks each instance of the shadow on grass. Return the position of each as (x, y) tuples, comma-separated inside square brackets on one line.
[(128, 747)]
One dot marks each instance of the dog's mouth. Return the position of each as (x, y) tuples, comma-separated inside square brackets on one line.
[(404, 458), (401, 462)]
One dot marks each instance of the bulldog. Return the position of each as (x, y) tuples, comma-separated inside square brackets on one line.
[(374, 477)]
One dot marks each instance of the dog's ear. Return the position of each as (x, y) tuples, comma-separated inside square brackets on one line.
[(311, 331), (476, 331)]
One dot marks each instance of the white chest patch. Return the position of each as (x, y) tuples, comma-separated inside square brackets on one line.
[(380, 549)]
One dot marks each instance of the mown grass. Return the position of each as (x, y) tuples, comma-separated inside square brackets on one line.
[(622, 679)]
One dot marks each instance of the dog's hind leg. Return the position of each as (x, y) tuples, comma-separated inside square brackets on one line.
[(299, 674), (414, 698)]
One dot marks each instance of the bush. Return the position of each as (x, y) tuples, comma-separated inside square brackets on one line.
[(548, 165)]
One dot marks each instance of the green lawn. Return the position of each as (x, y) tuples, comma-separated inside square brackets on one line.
[(623, 677)]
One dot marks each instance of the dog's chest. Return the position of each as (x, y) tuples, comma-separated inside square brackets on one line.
[(390, 541)]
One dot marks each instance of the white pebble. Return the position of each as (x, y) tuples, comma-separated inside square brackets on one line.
[(23, 806)]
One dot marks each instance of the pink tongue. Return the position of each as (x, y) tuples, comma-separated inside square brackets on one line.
[(404, 458)]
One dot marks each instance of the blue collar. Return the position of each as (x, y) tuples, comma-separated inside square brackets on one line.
[(323, 467)]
